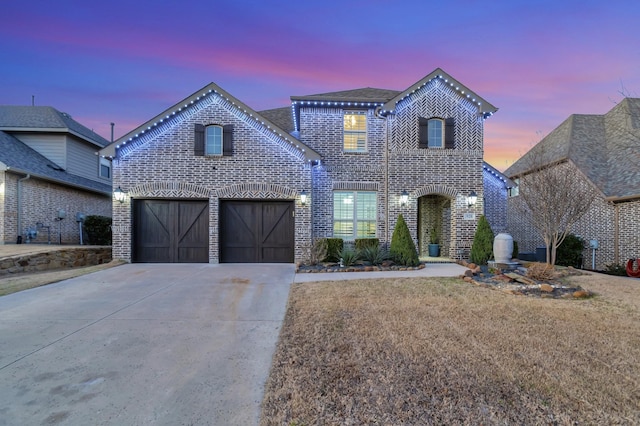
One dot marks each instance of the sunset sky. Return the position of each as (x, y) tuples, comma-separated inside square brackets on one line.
[(126, 61)]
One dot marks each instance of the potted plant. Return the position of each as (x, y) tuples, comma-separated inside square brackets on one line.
[(434, 243)]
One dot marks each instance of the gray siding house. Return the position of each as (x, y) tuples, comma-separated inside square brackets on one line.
[(211, 180), (48, 165), (604, 151)]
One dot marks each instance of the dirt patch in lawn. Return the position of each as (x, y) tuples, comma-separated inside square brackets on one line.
[(441, 351)]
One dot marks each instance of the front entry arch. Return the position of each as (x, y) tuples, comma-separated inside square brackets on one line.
[(435, 217)]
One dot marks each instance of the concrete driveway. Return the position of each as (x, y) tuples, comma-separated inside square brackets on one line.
[(142, 344)]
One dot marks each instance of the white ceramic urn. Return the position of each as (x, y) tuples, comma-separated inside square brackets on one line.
[(503, 247)]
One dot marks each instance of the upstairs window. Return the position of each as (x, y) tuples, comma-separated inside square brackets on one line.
[(213, 140), (105, 168), (514, 191), (355, 131), (436, 133)]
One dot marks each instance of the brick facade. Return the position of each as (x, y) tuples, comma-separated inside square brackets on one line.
[(162, 164), (159, 162), (40, 203)]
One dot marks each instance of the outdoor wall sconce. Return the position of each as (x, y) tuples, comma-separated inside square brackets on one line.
[(119, 195), (404, 198), (303, 197), (472, 198)]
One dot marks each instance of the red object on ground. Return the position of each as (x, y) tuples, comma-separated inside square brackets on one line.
[(630, 271)]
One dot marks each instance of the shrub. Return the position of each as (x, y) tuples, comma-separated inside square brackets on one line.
[(318, 251), (541, 271), (569, 253), (375, 255), (334, 247), (433, 236), (482, 247), (362, 243), (514, 254), (403, 250), (616, 269), (98, 230), (348, 256)]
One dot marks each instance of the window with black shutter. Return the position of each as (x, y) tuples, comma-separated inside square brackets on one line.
[(227, 140), (198, 140), (449, 134)]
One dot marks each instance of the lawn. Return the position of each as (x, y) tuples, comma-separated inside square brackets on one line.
[(441, 351)]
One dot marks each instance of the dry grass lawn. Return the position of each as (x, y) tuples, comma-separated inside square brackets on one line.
[(441, 351)]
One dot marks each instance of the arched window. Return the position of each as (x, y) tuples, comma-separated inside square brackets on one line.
[(213, 140)]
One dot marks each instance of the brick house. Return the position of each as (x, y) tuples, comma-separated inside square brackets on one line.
[(604, 150), (49, 168), (211, 180)]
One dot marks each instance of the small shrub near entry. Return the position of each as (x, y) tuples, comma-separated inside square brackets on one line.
[(374, 255), (403, 250), (348, 256), (482, 247), (616, 269), (98, 230), (334, 247)]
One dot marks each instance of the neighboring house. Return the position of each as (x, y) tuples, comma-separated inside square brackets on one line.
[(605, 151), (211, 180), (49, 168)]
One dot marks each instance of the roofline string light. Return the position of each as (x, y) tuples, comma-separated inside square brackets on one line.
[(186, 105), (295, 104), (457, 88)]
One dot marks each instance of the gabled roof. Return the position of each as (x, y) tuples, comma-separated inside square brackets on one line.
[(281, 117), (485, 107), (508, 183), (605, 148), (18, 118), (160, 121), (17, 157)]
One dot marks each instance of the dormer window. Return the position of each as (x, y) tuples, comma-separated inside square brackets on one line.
[(436, 133), (355, 131)]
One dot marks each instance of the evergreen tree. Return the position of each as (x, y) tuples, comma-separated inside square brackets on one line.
[(403, 250), (482, 248)]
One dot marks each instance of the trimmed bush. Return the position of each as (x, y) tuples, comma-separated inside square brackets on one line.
[(318, 251), (98, 230), (569, 253), (403, 250), (334, 247), (362, 243), (482, 248)]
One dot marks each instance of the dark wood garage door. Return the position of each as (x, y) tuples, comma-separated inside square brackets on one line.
[(256, 231), (171, 231)]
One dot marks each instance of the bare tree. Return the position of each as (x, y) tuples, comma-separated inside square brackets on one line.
[(553, 196)]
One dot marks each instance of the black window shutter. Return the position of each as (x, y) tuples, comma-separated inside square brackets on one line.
[(423, 141), (198, 140), (448, 133), (227, 139)]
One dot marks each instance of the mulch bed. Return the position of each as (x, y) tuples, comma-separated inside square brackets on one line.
[(513, 282)]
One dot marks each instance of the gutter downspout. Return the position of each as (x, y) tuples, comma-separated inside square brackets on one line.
[(616, 233), (19, 206)]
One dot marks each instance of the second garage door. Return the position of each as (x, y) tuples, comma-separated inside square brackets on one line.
[(256, 231)]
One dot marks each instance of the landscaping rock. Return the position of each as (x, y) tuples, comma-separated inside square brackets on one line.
[(546, 288)]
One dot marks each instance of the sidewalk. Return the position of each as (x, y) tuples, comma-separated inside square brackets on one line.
[(430, 270)]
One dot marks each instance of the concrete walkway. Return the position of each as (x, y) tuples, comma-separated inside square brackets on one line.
[(182, 344), (430, 270)]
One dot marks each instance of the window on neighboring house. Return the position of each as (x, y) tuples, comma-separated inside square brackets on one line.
[(105, 168), (515, 190), (354, 214), (213, 140), (436, 133), (355, 131)]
